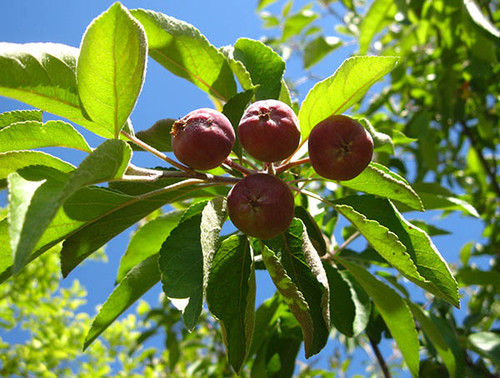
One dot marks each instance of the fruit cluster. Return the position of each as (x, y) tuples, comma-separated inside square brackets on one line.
[(261, 204)]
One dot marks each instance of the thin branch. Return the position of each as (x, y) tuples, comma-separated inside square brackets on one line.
[(233, 164), (155, 152), (291, 164), (474, 143), (344, 245), (380, 358)]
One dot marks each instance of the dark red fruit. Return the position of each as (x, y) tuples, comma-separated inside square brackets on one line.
[(203, 139), (261, 206), (340, 148), (269, 130)]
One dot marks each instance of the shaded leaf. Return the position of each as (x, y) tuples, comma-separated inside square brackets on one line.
[(474, 11), (297, 272), (318, 48), (14, 160), (343, 89), (147, 241), (394, 311), (486, 344), (231, 296), (111, 67), (313, 231), (265, 66), (134, 285), (33, 134), (157, 136), (295, 23), (184, 51)]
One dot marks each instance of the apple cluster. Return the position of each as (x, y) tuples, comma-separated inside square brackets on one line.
[(261, 204)]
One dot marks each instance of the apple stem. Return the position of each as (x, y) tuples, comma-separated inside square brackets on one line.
[(270, 168), (291, 164), (155, 152), (238, 167)]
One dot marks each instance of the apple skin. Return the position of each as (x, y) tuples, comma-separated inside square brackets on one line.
[(261, 206), (269, 130), (339, 148), (202, 139)]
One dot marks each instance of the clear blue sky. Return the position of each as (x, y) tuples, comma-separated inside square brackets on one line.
[(165, 95)]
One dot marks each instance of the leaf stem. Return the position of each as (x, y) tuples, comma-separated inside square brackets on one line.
[(291, 164), (155, 152)]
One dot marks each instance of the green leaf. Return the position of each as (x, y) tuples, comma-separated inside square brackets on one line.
[(381, 141), (15, 116), (118, 217), (403, 245), (134, 285), (343, 89), (350, 306), (318, 48), (33, 134), (186, 256), (36, 198), (14, 160), (380, 14), (379, 180), (44, 75), (434, 196), (468, 276), (147, 241), (238, 68), (111, 67), (157, 136), (265, 66), (234, 110), (486, 344), (313, 230), (231, 296), (394, 311), (5, 251), (184, 51), (294, 24), (434, 335), (264, 3), (297, 272)]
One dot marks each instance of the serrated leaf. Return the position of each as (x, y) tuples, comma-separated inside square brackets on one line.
[(231, 296), (297, 272), (349, 305), (380, 14), (157, 136), (379, 180), (98, 231), (8, 118), (35, 198), (403, 245), (184, 51), (313, 230), (343, 89), (44, 75), (147, 241), (111, 67), (238, 68), (33, 134), (234, 110), (434, 334), (294, 24), (318, 48), (265, 66), (14, 160), (394, 311), (134, 285)]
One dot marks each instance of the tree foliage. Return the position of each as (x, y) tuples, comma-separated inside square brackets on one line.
[(434, 122)]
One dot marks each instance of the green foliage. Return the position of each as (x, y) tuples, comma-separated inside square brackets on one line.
[(439, 101)]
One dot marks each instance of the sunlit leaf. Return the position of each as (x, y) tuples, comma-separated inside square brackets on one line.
[(8, 118), (380, 14)]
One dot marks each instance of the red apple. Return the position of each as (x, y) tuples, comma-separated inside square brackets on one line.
[(339, 148), (269, 130), (203, 139), (261, 205)]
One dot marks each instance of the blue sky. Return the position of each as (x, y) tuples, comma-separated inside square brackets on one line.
[(165, 95)]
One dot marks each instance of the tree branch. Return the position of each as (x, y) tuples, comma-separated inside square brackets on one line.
[(380, 358)]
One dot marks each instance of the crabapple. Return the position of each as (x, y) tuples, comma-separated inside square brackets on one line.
[(269, 130), (202, 139), (261, 205), (339, 148)]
